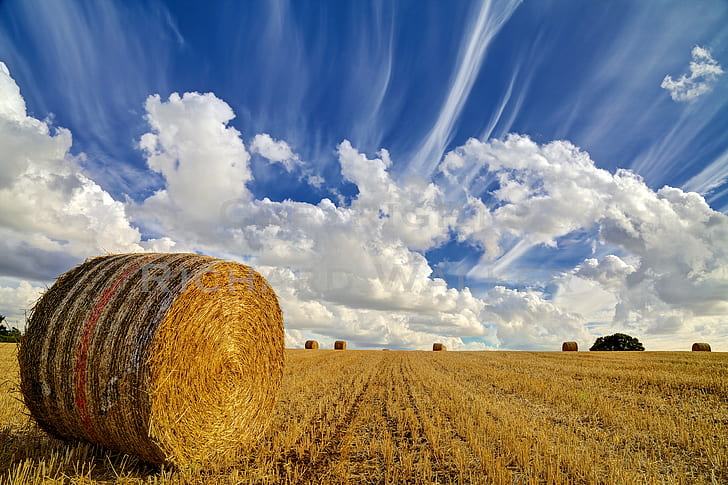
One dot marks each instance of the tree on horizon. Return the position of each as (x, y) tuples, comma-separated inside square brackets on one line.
[(617, 341)]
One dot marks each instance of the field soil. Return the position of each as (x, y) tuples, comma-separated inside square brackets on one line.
[(441, 417)]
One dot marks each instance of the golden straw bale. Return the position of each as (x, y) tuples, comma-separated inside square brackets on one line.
[(340, 345), (438, 346), (175, 358), (569, 347), (311, 344), (701, 347)]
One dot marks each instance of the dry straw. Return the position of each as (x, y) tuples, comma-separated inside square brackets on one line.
[(569, 347), (311, 344), (175, 358), (701, 347), (438, 346), (340, 345)]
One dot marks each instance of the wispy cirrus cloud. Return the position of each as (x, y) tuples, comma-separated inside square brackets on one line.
[(100, 68), (710, 178), (488, 21)]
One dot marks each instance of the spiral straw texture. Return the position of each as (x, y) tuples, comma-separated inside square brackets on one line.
[(438, 346), (340, 345), (175, 358), (311, 344)]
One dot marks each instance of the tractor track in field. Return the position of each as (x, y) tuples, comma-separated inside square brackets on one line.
[(383, 407), (402, 436), (455, 434), (332, 450), (447, 471)]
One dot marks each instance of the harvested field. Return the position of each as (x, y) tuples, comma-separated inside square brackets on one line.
[(442, 417)]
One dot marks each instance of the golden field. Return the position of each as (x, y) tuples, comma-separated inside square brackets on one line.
[(442, 417)]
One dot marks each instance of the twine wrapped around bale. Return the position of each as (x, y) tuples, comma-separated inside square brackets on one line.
[(569, 347), (311, 344), (438, 346), (701, 347), (175, 358), (340, 345)]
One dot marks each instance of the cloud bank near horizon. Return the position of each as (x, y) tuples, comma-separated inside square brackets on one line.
[(358, 269)]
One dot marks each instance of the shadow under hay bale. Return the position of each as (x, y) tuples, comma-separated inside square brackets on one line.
[(438, 347), (340, 345), (701, 347), (311, 344), (174, 358), (569, 347)]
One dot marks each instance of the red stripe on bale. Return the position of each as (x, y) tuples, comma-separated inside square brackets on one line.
[(82, 354)]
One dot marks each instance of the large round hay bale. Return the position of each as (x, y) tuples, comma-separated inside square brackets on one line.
[(569, 347), (311, 344), (701, 347), (340, 345), (438, 346), (175, 358)]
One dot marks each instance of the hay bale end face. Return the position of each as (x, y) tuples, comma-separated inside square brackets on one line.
[(701, 347), (174, 358), (438, 347), (569, 347), (340, 345), (311, 344)]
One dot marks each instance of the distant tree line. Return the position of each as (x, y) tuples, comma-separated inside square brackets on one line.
[(11, 334), (618, 341)]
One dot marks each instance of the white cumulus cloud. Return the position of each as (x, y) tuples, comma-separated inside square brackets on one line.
[(704, 71), (203, 160), (51, 212), (677, 245), (351, 271), (16, 301), (276, 151), (526, 320), (609, 272), (358, 270)]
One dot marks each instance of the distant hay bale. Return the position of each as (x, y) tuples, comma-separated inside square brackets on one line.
[(175, 358), (340, 345), (438, 346), (701, 347), (311, 344), (569, 347)]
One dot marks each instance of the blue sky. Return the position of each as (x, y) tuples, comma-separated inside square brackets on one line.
[(551, 169)]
